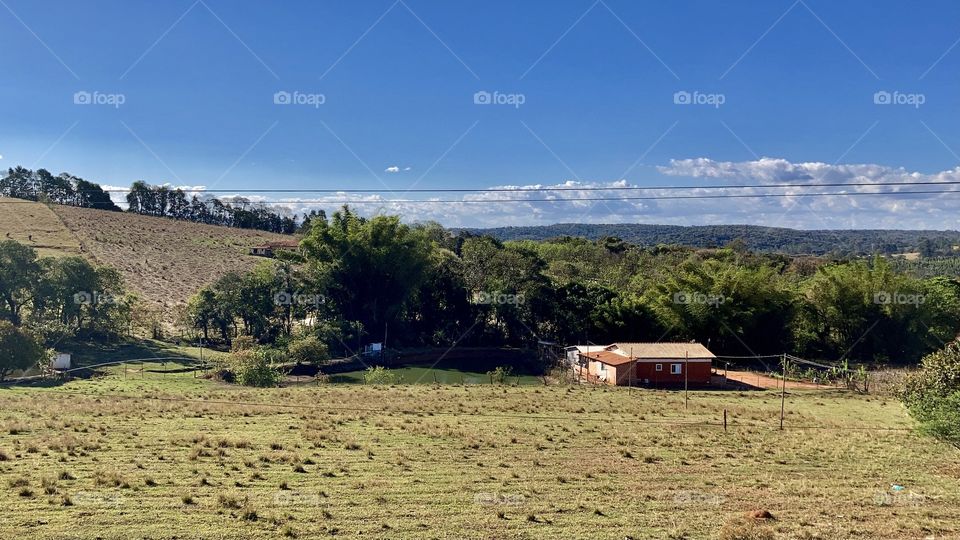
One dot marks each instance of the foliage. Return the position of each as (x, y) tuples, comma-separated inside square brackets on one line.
[(59, 296), (754, 237), (933, 393), (308, 349), (251, 367), (379, 375), (500, 374), (20, 349), (162, 201), (66, 189), (368, 268), (421, 285)]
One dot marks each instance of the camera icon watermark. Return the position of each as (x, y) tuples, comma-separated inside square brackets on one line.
[(696, 97), (84, 298), (689, 298), (293, 498), (285, 298), (697, 498), (498, 298), (898, 298), (499, 499), (884, 97), (497, 98), (99, 98), (296, 97), (97, 499)]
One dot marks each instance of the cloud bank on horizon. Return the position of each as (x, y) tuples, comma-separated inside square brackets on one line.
[(701, 178)]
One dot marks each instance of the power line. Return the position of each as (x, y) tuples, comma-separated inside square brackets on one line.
[(560, 200), (563, 188)]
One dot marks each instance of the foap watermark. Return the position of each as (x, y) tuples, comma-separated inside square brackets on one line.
[(293, 498), (84, 298), (696, 97), (498, 98), (297, 97), (97, 499), (297, 299), (499, 499), (84, 97), (498, 298), (899, 498), (697, 498), (689, 297), (898, 298), (884, 97)]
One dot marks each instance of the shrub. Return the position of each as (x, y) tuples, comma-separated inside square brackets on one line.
[(933, 394), (308, 350), (243, 343), (251, 367), (379, 375), (500, 374)]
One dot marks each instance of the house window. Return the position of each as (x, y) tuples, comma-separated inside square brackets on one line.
[(603, 368), (676, 369), (659, 367)]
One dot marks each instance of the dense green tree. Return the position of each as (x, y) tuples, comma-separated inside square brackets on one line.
[(369, 268), (20, 349), (19, 275)]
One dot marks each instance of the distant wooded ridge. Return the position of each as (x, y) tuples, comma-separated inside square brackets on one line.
[(757, 238)]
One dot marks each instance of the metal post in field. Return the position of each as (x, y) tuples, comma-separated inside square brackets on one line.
[(783, 388), (686, 378), (724, 420)]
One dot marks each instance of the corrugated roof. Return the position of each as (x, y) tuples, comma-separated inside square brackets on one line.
[(609, 358), (590, 348), (665, 350)]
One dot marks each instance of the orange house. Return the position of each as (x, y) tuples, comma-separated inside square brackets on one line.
[(648, 364)]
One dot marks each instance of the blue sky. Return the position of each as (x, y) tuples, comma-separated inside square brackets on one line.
[(597, 81)]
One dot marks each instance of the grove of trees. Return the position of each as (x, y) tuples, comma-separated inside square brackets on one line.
[(48, 299), (359, 280)]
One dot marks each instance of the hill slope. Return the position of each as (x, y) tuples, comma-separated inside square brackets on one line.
[(793, 241), (162, 260)]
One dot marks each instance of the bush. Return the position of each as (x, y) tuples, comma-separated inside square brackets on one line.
[(308, 350), (933, 394), (243, 343), (251, 367), (379, 375), (500, 374)]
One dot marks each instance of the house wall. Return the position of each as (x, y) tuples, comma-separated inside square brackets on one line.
[(699, 372), (644, 373)]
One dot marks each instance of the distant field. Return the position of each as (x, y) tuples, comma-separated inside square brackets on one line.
[(163, 260), (172, 456)]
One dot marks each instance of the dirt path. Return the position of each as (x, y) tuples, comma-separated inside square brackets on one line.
[(763, 381)]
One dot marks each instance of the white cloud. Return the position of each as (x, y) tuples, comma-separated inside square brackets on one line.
[(701, 175), (392, 169)]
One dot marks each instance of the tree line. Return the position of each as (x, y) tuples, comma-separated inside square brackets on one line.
[(146, 199), (357, 280), (45, 300)]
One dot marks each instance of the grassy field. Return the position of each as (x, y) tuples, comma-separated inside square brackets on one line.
[(431, 375), (170, 456), (37, 226), (163, 260)]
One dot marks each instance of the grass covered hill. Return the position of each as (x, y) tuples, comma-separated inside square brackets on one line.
[(163, 260)]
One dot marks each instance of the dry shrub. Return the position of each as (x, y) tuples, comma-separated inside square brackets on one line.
[(745, 529)]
